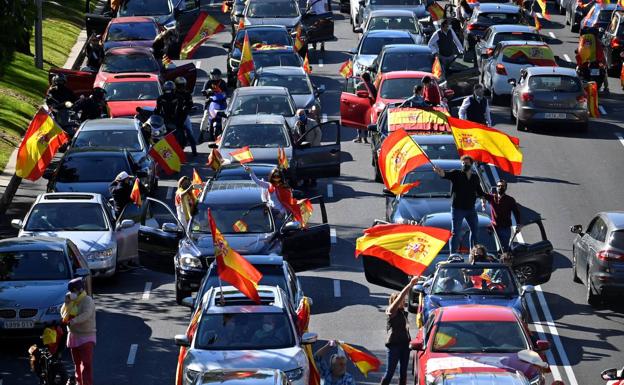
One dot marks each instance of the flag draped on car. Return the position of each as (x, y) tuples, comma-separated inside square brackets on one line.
[(135, 194), (366, 362), (41, 141), (242, 155), (168, 154), (417, 119), (204, 27), (246, 66), (399, 155), (407, 247)]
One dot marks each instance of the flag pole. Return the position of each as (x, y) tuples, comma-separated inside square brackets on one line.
[(221, 297)]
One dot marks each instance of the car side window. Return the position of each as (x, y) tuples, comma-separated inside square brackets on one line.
[(597, 229), (350, 85), (131, 211), (488, 35), (156, 215), (74, 256)]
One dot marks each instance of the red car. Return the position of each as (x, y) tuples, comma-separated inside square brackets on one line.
[(126, 92), (358, 108), (474, 338), (132, 31)]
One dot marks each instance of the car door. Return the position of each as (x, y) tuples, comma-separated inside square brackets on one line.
[(608, 35), (186, 12), (381, 273), (80, 82), (319, 27), (159, 235), (355, 104), (321, 161), (96, 24), (128, 238), (581, 248), (532, 253), (596, 242), (79, 262), (187, 71)]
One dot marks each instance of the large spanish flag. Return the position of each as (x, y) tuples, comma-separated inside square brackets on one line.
[(417, 119), (487, 145), (399, 155), (366, 362), (246, 66), (406, 247), (168, 154), (233, 268), (242, 155), (204, 27), (41, 141), (436, 11)]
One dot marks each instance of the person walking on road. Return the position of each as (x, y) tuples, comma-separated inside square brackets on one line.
[(476, 107), (445, 44), (120, 190), (185, 201), (501, 208), (336, 372), (78, 312), (465, 188), (183, 113), (398, 340)]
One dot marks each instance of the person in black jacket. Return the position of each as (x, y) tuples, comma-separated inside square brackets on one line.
[(183, 113), (93, 107), (476, 107), (167, 105), (120, 190)]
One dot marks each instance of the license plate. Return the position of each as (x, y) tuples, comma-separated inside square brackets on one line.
[(19, 324), (594, 72), (549, 115)]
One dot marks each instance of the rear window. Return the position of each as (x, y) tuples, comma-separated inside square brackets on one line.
[(263, 37), (406, 61), (515, 36), (393, 22), (135, 62), (132, 31), (91, 169), (271, 59), (498, 18), (399, 88), (554, 83), (373, 45), (617, 240)]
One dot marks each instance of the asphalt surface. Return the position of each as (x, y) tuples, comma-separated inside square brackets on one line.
[(567, 178)]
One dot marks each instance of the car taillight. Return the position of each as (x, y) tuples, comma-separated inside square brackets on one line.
[(474, 27), (609, 255), (526, 97), (615, 43), (500, 69)]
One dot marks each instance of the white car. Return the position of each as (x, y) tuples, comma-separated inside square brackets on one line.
[(87, 220), (235, 333)]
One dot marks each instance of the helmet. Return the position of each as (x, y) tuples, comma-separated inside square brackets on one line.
[(169, 86), (215, 72), (59, 79), (180, 82), (99, 92)]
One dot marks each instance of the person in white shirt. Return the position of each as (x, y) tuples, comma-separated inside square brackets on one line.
[(476, 107), (443, 43)]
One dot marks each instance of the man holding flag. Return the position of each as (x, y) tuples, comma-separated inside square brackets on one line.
[(336, 372)]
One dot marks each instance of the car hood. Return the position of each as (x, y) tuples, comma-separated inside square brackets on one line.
[(419, 10), (32, 294), (288, 22), (282, 359), (478, 362), (260, 155), (127, 107), (303, 101), (243, 244), (130, 43), (87, 241), (416, 208)]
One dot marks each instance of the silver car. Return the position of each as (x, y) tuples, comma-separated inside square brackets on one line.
[(272, 12), (547, 95), (87, 220), (371, 45)]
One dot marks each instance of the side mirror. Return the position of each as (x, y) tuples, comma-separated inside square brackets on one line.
[(358, 30), (188, 302), (319, 91), (309, 338), (542, 345), (170, 227), (290, 227), (17, 224), (362, 94), (182, 340), (416, 344), (609, 374), (125, 224), (532, 358), (528, 289), (352, 51), (576, 229), (227, 45), (388, 193), (82, 272), (372, 127)]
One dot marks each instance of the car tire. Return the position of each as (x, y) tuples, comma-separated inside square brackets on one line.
[(575, 277), (520, 125), (526, 272), (593, 299), (180, 294)]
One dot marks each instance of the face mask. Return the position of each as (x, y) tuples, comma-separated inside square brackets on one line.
[(73, 296), (267, 327), (466, 167)]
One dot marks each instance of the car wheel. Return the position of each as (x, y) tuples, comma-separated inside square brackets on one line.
[(526, 272), (575, 277), (180, 294), (593, 299), (520, 125)]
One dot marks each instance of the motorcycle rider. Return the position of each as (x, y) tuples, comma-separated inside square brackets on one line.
[(444, 43), (215, 91), (183, 114), (58, 94), (590, 48), (216, 84), (166, 105), (153, 129), (92, 107)]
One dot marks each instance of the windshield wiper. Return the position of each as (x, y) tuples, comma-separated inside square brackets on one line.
[(490, 349)]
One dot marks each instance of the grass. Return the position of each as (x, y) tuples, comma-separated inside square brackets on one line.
[(23, 86)]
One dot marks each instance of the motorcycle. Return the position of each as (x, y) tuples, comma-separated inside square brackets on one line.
[(592, 72), (64, 115), (216, 104), (613, 376)]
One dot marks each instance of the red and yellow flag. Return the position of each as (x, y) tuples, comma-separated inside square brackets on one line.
[(299, 43), (165, 62), (225, 7), (346, 69), (587, 48), (436, 11), (306, 209), (399, 155), (240, 226), (215, 160), (282, 160), (436, 68), (542, 4), (417, 119), (406, 247), (306, 65), (443, 341), (197, 181), (315, 376), (135, 194), (168, 154), (487, 145), (204, 27), (246, 66), (242, 155), (41, 141), (366, 362), (538, 25), (190, 332), (303, 314), (233, 268), (591, 89), (241, 23)]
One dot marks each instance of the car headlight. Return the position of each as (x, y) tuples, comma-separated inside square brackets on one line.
[(170, 25), (536, 380), (361, 67), (190, 376), (190, 262), (234, 63), (101, 254), (54, 309), (295, 374)]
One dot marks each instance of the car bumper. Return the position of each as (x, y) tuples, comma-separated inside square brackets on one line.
[(608, 283), (189, 280), (531, 114), (102, 268), (38, 324)]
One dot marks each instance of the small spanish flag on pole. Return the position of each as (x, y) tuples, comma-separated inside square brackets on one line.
[(197, 184), (215, 160), (366, 362), (242, 155), (306, 65), (135, 194), (542, 4), (241, 23), (538, 25), (166, 61), (436, 68), (282, 160), (346, 69), (436, 11), (299, 40)]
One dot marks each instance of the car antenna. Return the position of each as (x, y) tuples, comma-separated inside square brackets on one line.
[(221, 297)]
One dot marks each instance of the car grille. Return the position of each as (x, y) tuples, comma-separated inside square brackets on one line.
[(27, 313), (7, 313)]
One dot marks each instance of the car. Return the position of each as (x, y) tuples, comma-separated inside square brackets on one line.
[(613, 42), (120, 133), (92, 170), (549, 95), (165, 245), (474, 338), (230, 335), (371, 44), (597, 18), (130, 32), (297, 81), (126, 92), (275, 57), (86, 219), (484, 47), (509, 59), (598, 255), (401, 57), (361, 10), (395, 19), (486, 15), (243, 377), (575, 12), (34, 273)]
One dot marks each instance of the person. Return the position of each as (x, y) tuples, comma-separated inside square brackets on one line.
[(215, 83), (59, 93), (183, 112), (501, 208), (398, 336), (476, 107), (120, 189), (276, 193), (431, 93), (590, 43), (94, 51), (363, 132), (78, 312), (167, 105), (267, 334), (445, 44), (465, 11), (465, 188), (92, 107), (153, 129), (312, 136), (417, 100), (336, 372), (164, 44), (478, 253), (185, 201), (317, 7)]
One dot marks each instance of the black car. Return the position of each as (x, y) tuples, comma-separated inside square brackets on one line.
[(402, 57), (164, 243), (487, 15), (613, 42), (598, 255)]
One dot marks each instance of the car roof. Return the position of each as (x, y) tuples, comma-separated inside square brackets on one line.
[(132, 76), (132, 19), (285, 70), (256, 119), (264, 26), (260, 169), (443, 220), (477, 313), (129, 51), (616, 217), (270, 301), (232, 192), (445, 164), (485, 265), (497, 7), (109, 124), (261, 90), (434, 139), (407, 47), (240, 377), (551, 70), (387, 33), (391, 12), (71, 197), (32, 243), (512, 28), (405, 75), (94, 152)]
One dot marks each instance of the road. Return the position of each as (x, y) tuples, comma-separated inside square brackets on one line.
[(567, 177)]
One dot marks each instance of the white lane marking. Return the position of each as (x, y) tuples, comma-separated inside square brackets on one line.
[(132, 354), (323, 118), (620, 137), (552, 35), (198, 64), (555, 336), (566, 57), (542, 335), (332, 235), (602, 110), (146, 291), (169, 192), (336, 288), (320, 63)]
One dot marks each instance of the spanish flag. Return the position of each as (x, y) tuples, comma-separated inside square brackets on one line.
[(166, 61), (225, 7), (282, 160), (436, 69), (197, 181), (306, 209), (246, 66), (241, 23), (215, 160), (233, 268), (542, 4), (417, 119), (398, 156), (538, 25), (168, 154), (436, 11), (242, 155), (303, 314), (587, 48), (443, 341), (487, 145), (135, 194), (592, 99), (240, 226), (41, 141), (406, 247), (346, 69), (315, 376), (190, 332), (204, 27), (306, 65), (299, 43), (366, 362)]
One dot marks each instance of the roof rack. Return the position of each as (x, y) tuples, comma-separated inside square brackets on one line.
[(68, 196)]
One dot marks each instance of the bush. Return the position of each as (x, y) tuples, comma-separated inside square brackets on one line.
[(18, 16)]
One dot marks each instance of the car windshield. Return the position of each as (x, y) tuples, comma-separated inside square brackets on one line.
[(406, 61), (272, 9), (244, 331), (268, 58), (145, 8), (77, 216), (262, 104), (272, 275), (393, 22), (234, 219), (438, 150), (119, 91), (131, 31), (134, 62), (396, 2), (254, 135), (263, 37), (127, 139), (430, 184), (617, 240), (498, 18), (33, 265), (515, 36), (296, 84), (373, 45), (479, 337), (451, 280), (401, 88), (554, 83), (91, 169)]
